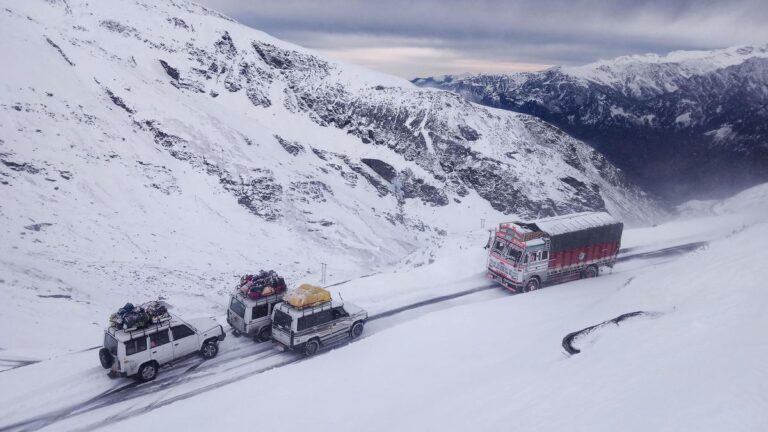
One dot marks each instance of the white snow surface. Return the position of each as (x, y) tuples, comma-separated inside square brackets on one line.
[(687, 63), (97, 208), (498, 365), (486, 361)]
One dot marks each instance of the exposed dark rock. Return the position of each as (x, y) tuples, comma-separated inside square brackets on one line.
[(38, 226), (291, 147), (58, 48), (180, 23), (24, 166), (468, 133), (225, 46), (118, 101), (170, 70), (385, 170), (311, 190), (118, 27)]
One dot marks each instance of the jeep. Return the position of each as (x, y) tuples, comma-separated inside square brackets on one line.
[(252, 317), (310, 329), (140, 353)]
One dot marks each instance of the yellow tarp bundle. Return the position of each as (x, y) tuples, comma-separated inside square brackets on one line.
[(307, 295)]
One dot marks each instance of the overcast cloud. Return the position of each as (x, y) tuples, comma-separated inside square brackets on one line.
[(431, 37)]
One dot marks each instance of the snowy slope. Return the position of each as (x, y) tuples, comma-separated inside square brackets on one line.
[(498, 365), (161, 149), (486, 361), (695, 119)]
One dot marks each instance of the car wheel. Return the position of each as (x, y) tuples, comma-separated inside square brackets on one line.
[(357, 330), (591, 272), (209, 350), (265, 334), (531, 285), (147, 372), (311, 348)]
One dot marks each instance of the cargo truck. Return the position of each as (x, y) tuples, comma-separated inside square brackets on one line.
[(525, 255)]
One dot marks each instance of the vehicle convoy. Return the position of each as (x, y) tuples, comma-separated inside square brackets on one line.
[(309, 320), (252, 302), (525, 255), (140, 352)]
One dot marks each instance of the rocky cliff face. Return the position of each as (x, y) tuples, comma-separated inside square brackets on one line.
[(141, 129), (686, 124)]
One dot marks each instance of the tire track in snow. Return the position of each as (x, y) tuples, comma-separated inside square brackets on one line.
[(105, 399)]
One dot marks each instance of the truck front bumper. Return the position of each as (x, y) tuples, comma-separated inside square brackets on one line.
[(509, 284)]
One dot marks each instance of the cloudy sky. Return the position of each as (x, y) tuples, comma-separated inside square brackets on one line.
[(431, 37)]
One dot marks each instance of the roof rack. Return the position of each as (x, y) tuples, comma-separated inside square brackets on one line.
[(136, 332), (317, 307)]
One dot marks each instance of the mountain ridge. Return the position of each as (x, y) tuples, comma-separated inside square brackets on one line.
[(695, 119)]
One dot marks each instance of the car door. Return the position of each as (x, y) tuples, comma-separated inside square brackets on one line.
[(184, 340), (340, 319), (160, 346)]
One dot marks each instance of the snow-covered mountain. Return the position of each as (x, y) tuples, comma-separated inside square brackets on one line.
[(159, 148), (690, 123)]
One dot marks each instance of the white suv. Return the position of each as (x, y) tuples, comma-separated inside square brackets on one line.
[(310, 329), (140, 353), (252, 317)]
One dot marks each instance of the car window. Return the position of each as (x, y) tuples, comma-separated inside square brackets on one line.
[(110, 343), (135, 346), (260, 311), (237, 307), (181, 331), (282, 319), (305, 322), (323, 317), (159, 338), (339, 312)]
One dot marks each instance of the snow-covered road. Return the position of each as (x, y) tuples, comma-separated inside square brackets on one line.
[(89, 399)]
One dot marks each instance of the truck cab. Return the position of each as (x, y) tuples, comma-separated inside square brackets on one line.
[(252, 317)]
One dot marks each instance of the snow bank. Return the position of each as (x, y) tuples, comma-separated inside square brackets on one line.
[(498, 364)]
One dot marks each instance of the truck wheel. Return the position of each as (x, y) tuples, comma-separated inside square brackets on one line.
[(147, 372), (106, 358), (265, 334), (311, 348), (531, 285), (591, 272), (357, 330), (209, 350)]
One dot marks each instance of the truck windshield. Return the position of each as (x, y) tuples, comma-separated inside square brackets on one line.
[(498, 245), (110, 343), (282, 319), (237, 307), (513, 253)]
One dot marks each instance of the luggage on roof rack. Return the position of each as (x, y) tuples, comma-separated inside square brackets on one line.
[(307, 295), (130, 317), (262, 284)]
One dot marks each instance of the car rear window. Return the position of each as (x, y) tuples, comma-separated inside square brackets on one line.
[(110, 343), (237, 307), (282, 319)]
